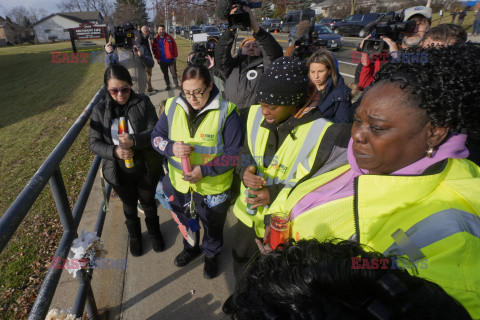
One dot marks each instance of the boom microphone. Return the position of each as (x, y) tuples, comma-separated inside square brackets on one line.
[(223, 9)]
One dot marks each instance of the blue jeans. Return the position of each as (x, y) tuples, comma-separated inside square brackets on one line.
[(476, 27)]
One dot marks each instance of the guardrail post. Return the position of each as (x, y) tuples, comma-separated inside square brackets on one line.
[(61, 200)]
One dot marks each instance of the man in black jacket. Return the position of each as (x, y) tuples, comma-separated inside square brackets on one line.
[(242, 71)]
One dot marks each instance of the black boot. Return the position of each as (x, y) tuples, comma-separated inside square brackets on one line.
[(186, 256), (210, 268), (229, 305), (153, 226), (135, 233)]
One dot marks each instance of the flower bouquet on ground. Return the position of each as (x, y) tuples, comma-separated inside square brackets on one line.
[(87, 250)]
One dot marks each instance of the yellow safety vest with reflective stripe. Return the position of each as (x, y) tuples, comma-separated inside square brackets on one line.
[(433, 220), (292, 161), (208, 143)]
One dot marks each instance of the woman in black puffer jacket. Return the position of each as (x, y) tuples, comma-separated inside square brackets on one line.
[(132, 183)]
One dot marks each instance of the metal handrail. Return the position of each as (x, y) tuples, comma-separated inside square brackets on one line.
[(50, 172)]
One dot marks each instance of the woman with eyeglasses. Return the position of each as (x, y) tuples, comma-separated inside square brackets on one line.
[(130, 164), (201, 127)]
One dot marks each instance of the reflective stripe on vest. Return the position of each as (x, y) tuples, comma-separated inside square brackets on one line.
[(302, 156), (432, 229), (219, 148)]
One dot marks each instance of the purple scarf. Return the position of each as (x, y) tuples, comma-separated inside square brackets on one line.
[(342, 186)]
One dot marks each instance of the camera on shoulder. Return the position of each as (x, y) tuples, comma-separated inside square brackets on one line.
[(390, 25), (124, 36)]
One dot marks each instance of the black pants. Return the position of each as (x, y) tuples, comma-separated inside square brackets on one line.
[(164, 66), (244, 247), (134, 187), (211, 211)]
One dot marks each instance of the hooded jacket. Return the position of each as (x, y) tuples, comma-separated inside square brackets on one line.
[(242, 72)]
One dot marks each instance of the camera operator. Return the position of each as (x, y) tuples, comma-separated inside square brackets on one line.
[(423, 19), (242, 71), (304, 38), (204, 53), (145, 38), (129, 52)]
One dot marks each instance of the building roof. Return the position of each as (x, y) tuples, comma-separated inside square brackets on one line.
[(88, 15), (85, 15)]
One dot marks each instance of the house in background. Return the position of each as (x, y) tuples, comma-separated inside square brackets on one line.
[(12, 33), (54, 27)]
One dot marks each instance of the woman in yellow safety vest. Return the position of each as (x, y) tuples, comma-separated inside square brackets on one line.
[(201, 130), (408, 188)]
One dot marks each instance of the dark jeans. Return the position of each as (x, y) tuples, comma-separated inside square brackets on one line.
[(139, 186), (244, 247), (211, 211), (476, 26), (164, 66)]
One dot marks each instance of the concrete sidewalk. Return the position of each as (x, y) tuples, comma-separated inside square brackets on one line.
[(151, 287)]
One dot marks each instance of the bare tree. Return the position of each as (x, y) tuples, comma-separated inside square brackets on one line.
[(105, 7), (20, 15)]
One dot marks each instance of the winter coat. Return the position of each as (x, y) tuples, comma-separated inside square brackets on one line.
[(169, 46), (242, 72), (141, 115), (335, 104)]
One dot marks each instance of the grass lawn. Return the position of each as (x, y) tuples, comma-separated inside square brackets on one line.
[(39, 102), (447, 18)]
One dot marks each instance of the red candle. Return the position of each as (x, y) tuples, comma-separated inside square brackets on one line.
[(279, 229)]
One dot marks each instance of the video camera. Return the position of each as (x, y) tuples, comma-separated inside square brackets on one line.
[(124, 35), (201, 50), (307, 44), (240, 19), (390, 25)]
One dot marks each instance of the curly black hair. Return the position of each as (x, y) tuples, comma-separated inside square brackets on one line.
[(319, 280), (447, 85)]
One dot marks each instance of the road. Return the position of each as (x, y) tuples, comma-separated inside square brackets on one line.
[(344, 55)]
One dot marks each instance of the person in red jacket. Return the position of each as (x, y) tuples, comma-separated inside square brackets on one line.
[(165, 51)]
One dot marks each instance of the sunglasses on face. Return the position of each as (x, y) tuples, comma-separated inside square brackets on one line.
[(115, 91)]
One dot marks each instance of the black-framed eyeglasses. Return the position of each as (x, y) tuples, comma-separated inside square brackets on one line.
[(197, 95)]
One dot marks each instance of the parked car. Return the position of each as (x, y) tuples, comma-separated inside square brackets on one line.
[(353, 24), (270, 25), (211, 31), (329, 21), (294, 17), (326, 37), (193, 30), (175, 30)]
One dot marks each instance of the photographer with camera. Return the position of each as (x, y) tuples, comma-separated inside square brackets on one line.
[(307, 41), (131, 53), (256, 55), (402, 35), (204, 53)]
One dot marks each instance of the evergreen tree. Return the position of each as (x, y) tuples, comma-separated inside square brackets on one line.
[(135, 11)]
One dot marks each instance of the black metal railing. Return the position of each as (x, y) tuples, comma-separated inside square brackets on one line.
[(50, 172)]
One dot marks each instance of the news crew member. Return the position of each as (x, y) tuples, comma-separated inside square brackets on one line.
[(243, 71), (135, 56), (423, 19), (200, 125)]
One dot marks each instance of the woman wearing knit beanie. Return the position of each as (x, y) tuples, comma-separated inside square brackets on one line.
[(282, 148)]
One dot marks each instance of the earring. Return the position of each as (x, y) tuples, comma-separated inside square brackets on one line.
[(430, 151)]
